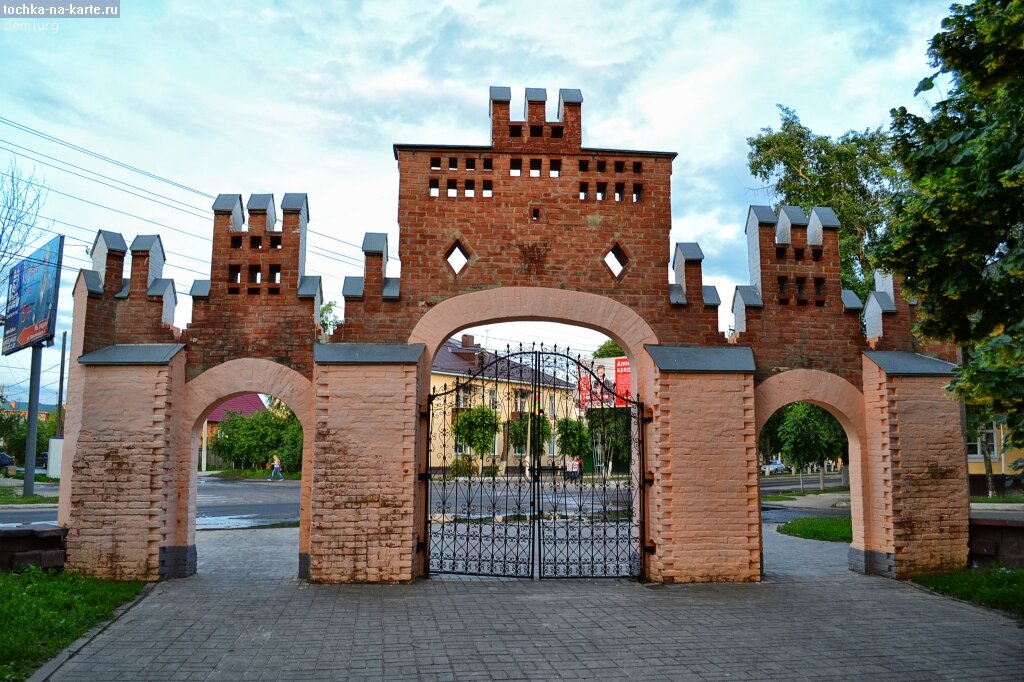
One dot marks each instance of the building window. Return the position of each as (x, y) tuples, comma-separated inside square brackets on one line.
[(492, 399), (974, 447)]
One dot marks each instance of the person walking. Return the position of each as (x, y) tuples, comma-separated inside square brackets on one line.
[(276, 469)]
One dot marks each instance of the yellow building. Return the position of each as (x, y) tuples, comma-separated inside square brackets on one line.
[(508, 384), (1001, 458)]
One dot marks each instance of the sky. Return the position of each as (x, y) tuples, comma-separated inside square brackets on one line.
[(186, 99)]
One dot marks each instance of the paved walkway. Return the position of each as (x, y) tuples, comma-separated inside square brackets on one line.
[(244, 617)]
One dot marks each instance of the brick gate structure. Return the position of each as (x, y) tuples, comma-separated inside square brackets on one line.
[(533, 226)]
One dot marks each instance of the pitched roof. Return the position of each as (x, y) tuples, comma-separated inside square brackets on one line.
[(243, 405), (453, 358)]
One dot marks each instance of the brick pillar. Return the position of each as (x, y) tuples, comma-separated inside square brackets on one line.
[(362, 511)]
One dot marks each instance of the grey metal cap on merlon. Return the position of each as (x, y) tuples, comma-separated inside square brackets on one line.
[(160, 287), (688, 251), (295, 201), (392, 289), (724, 359), (112, 240), (133, 354), (352, 287), (376, 243), (851, 301), (225, 203), (904, 363), (309, 286), (825, 216), (536, 95), (711, 297), (884, 301), (749, 296), (125, 286), (93, 281), (676, 295), (146, 242), (367, 353), (569, 96), (260, 202), (794, 214), (200, 288), (764, 215), (501, 93)]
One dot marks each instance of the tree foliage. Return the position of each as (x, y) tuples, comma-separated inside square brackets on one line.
[(477, 428), (573, 437), (611, 431), (21, 198), (853, 174), (808, 434), (518, 432), (958, 232), (15, 434), (328, 320), (609, 349), (250, 442)]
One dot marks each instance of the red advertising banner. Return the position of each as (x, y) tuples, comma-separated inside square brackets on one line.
[(623, 381), (600, 389)]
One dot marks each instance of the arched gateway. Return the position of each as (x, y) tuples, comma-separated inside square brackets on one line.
[(533, 226)]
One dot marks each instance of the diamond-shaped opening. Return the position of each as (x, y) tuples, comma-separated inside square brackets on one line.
[(457, 257), (616, 260)]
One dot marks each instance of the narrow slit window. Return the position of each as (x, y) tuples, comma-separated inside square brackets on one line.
[(515, 167), (638, 192), (515, 131), (275, 242), (236, 242), (620, 190), (534, 168), (819, 286), (275, 274), (453, 163), (557, 132), (602, 166), (602, 191), (535, 214), (816, 254), (255, 242), (783, 284), (584, 166), (801, 286), (488, 191), (798, 254), (234, 274), (435, 187), (435, 163), (274, 291), (470, 164), (620, 166), (780, 253), (584, 191), (488, 165), (536, 131), (638, 167), (254, 274), (470, 188), (453, 189), (555, 168)]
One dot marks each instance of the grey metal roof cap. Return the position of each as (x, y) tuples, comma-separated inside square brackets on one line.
[(764, 214), (904, 363), (200, 288), (367, 353), (883, 300), (159, 287), (113, 240), (93, 281), (710, 294), (795, 214), (689, 251), (723, 359), (125, 286), (295, 201), (260, 202), (133, 354), (570, 96), (749, 296), (501, 93), (825, 215), (851, 301), (352, 287), (676, 295), (392, 288), (536, 95), (226, 203), (146, 242), (309, 286), (375, 242)]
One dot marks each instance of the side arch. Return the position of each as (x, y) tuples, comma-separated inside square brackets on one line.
[(507, 304)]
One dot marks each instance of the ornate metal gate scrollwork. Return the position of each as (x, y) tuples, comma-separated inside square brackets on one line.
[(534, 466)]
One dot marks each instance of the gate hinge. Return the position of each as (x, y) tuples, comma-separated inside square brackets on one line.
[(424, 414), (648, 478), (421, 546), (425, 476), (650, 548), (648, 415)]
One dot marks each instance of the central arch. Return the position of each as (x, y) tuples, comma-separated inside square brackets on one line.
[(506, 304)]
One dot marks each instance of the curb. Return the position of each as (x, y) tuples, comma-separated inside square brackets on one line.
[(46, 671), (20, 507)]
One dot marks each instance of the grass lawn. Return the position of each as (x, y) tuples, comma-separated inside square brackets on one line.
[(999, 588), (39, 478), (789, 496), (1009, 499), (44, 611), (13, 496), (254, 474), (828, 528)]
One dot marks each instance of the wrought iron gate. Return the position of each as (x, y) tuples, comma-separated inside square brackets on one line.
[(505, 495)]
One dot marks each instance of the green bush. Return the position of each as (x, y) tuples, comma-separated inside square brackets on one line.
[(461, 467)]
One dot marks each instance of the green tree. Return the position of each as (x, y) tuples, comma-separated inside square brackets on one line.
[(518, 432), (809, 435), (328, 320), (250, 442), (477, 427), (853, 174), (21, 199), (958, 233), (573, 437), (609, 349), (16, 437), (612, 435)]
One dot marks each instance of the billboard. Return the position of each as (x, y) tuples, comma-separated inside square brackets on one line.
[(32, 298), (609, 387)]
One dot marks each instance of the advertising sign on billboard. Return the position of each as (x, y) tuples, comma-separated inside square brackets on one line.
[(32, 298), (605, 389)]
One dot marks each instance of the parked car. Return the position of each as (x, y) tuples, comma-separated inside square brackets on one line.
[(774, 468), (5, 461)]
